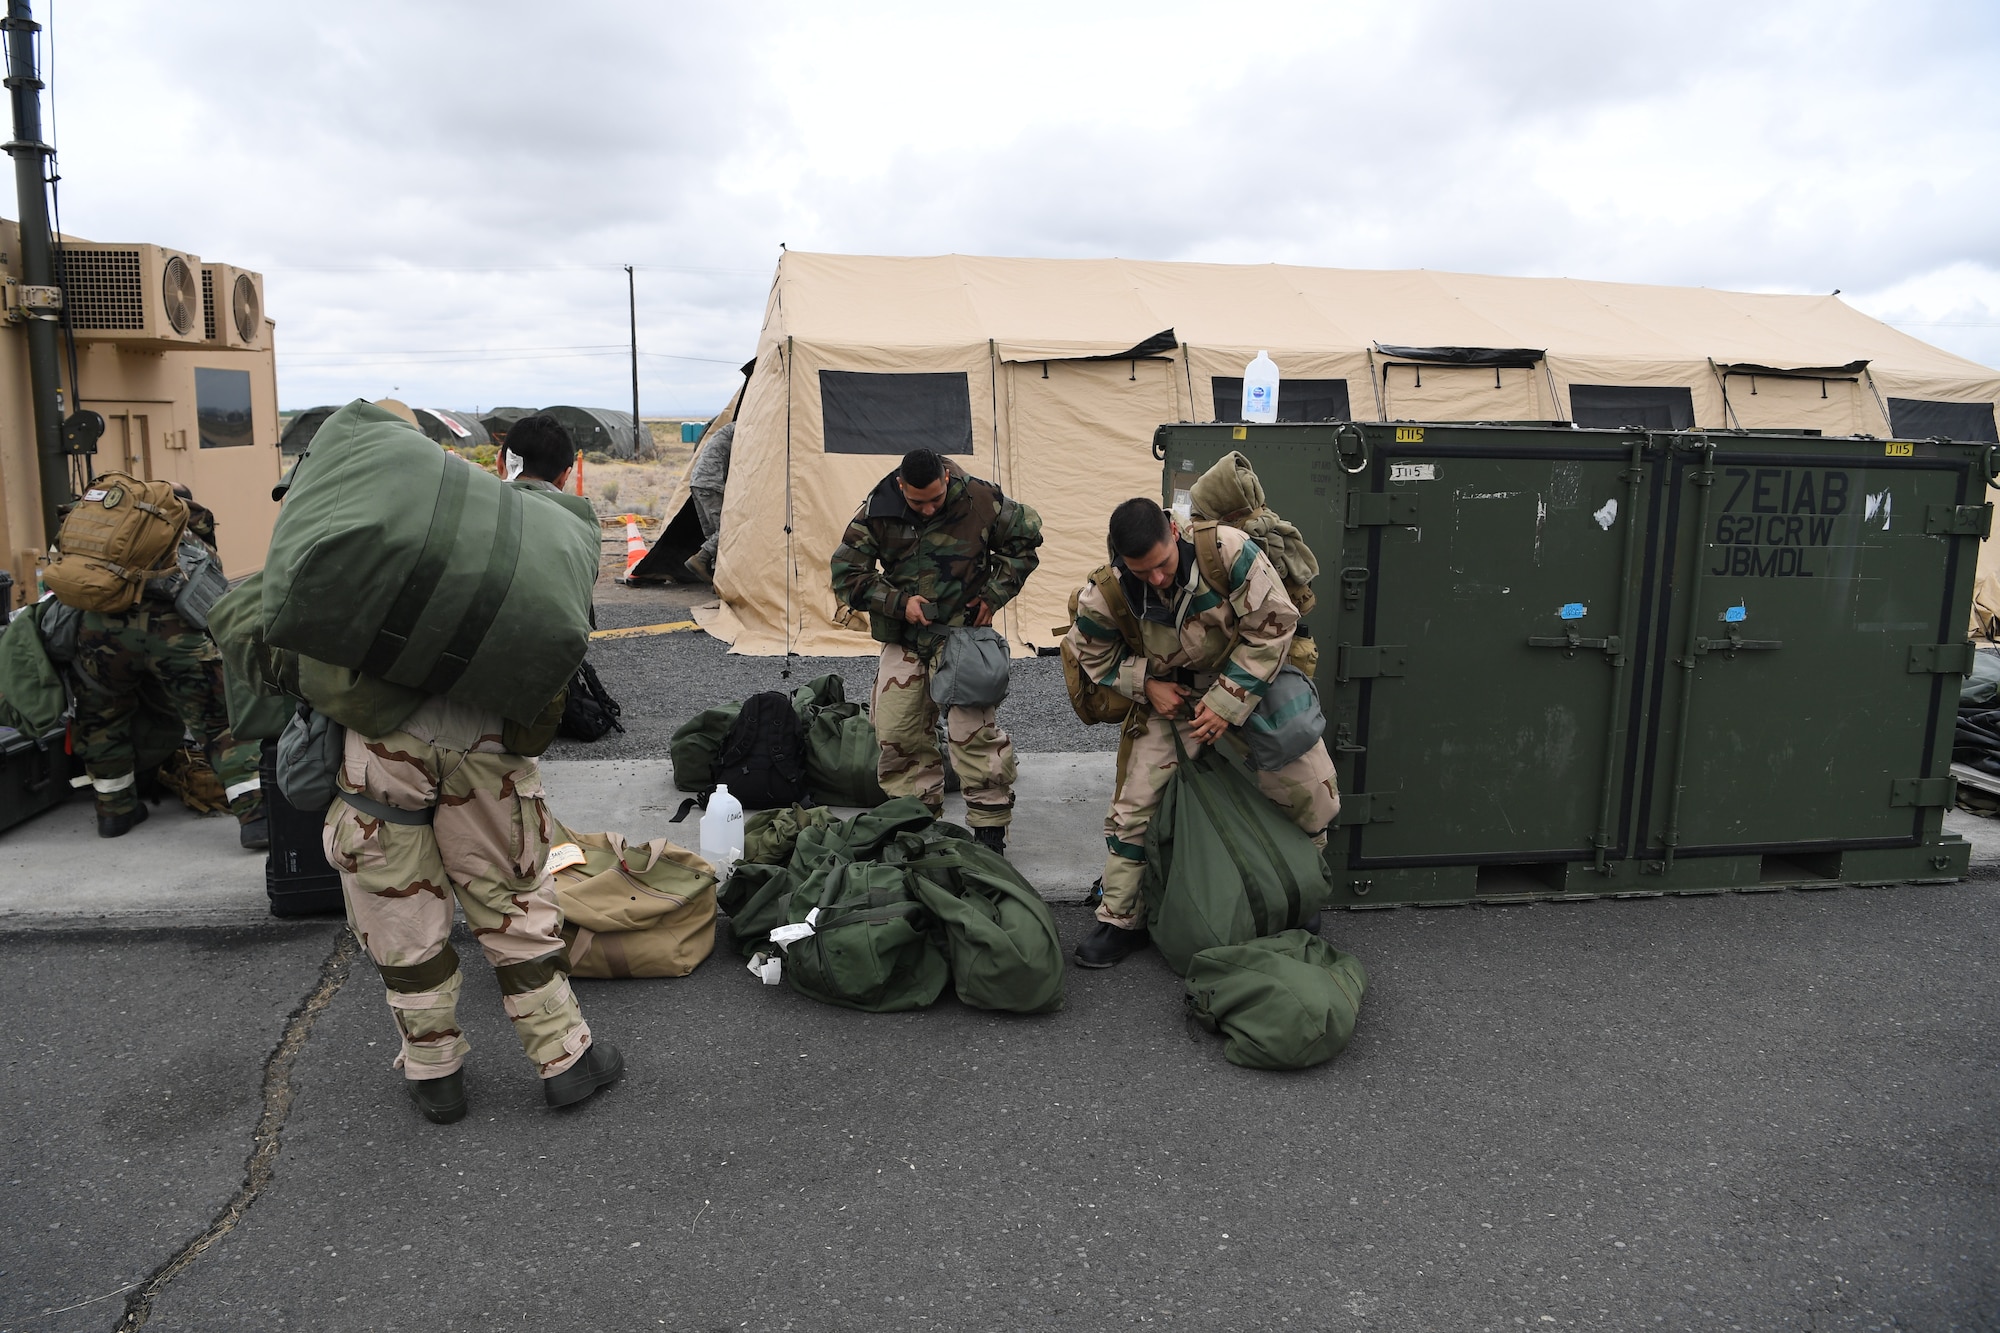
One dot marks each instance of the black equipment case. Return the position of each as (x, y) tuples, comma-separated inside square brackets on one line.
[(33, 776), (297, 877)]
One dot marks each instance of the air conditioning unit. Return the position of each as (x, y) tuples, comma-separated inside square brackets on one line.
[(232, 308), (140, 295)]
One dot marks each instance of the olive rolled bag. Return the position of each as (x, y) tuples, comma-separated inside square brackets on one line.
[(1223, 864), (1287, 1002), (398, 560)]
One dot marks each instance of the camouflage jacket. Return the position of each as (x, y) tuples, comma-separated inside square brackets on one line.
[(978, 544), (1187, 630)]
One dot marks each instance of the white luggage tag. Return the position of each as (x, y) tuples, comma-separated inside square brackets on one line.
[(786, 936), (562, 856), (766, 968)]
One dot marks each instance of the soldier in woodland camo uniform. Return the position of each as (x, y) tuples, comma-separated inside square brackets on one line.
[(1189, 678), (929, 535)]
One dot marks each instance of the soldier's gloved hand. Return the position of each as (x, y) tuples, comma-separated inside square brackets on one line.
[(1166, 697), (913, 611), (982, 611)]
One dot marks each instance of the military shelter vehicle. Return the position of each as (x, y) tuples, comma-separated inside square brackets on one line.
[(175, 354), (300, 430), (1050, 375)]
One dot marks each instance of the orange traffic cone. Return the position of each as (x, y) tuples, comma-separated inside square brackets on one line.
[(635, 547)]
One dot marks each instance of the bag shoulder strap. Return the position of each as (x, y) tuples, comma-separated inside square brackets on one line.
[(1208, 557), (1106, 579)]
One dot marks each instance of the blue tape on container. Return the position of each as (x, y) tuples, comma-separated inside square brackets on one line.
[(1735, 615), (1571, 611)]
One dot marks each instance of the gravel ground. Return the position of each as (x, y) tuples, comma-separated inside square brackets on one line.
[(663, 680)]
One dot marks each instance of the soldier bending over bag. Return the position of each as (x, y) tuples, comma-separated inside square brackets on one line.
[(1210, 654)]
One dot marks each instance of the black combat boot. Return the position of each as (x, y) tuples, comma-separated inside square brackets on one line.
[(442, 1100), (992, 836), (253, 825), (599, 1067), (117, 826), (1109, 945)]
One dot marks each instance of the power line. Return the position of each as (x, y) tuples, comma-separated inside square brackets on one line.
[(506, 268)]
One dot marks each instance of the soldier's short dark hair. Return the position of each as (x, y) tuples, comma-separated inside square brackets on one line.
[(543, 445), (920, 468), (1137, 526)]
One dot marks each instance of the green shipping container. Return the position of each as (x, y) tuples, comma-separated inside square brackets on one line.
[(1562, 663)]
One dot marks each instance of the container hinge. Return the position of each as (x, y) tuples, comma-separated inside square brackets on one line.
[(1735, 644), (1953, 520), (1943, 659), (1570, 642), (1924, 791), (1366, 807), (1359, 662), (1381, 509)]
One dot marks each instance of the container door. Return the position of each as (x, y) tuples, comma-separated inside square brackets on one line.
[(133, 433), (1488, 655), (1808, 642)]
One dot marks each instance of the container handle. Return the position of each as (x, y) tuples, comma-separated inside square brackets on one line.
[(1344, 432)]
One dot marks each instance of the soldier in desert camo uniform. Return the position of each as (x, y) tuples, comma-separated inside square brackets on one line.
[(448, 804), (1210, 654), (932, 547)]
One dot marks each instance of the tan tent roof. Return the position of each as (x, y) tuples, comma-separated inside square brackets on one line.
[(1064, 421)]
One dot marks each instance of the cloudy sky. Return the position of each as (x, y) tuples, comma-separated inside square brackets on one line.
[(442, 195)]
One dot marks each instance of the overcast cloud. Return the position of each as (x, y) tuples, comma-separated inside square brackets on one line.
[(430, 188)]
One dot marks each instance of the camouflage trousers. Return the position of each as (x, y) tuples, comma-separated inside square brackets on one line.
[(708, 508), (1304, 789), (488, 846), (152, 650), (906, 725)]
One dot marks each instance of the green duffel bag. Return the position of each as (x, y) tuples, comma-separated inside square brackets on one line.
[(756, 899), (401, 561), (842, 753), (1004, 950), (1224, 865), (870, 944), (31, 689), (770, 835), (1286, 1002), (696, 746), (257, 710)]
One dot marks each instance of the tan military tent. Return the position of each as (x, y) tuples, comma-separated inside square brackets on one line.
[(1049, 375)]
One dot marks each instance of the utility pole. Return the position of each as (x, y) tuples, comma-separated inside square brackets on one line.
[(639, 431), (31, 169)]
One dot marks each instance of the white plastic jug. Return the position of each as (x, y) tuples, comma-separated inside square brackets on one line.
[(1260, 389), (722, 831)]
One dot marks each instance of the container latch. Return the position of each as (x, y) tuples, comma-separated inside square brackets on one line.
[(1366, 807), (1947, 520), (1368, 661), (1381, 509)]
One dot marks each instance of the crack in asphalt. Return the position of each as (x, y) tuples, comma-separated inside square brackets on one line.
[(262, 1163)]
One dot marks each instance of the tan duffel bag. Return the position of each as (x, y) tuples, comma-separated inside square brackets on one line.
[(632, 909)]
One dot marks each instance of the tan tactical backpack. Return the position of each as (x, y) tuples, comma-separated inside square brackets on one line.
[(121, 533), (1093, 702)]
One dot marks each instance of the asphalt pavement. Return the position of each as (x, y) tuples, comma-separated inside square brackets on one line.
[(1760, 1112)]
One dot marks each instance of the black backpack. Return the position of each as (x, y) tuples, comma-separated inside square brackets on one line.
[(589, 710), (763, 758)]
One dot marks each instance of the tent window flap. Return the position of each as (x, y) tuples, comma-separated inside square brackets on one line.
[(1921, 418), (1298, 400), (876, 413), (1610, 406)]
